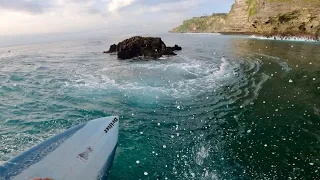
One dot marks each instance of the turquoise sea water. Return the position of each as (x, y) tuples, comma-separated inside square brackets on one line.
[(226, 107)]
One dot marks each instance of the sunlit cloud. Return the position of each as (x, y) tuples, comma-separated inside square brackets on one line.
[(116, 5)]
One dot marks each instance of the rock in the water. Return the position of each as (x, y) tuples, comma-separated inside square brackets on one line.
[(175, 48), (169, 52), (112, 49), (147, 47)]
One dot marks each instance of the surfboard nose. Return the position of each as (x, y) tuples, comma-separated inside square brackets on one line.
[(90, 147)]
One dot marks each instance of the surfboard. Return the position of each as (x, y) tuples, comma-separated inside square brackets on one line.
[(84, 152)]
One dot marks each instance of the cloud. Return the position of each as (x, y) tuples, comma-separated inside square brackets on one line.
[(60, 16), (157, 2), (30, 6), (170, 6), (116, 5)]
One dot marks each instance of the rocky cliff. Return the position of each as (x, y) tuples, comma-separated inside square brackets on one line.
[(207, 24), (264, 17)]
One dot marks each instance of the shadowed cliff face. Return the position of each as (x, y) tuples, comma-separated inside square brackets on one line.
[(286, 17), (237, 19), (269, 17)]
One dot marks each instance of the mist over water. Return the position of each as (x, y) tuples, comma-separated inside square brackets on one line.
[(225, 107)]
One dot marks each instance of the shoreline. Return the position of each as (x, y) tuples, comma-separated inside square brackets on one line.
[(272, 36)]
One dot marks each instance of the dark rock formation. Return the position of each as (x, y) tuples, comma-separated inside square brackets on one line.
[(112, 49), (147, 47), (175, 48)]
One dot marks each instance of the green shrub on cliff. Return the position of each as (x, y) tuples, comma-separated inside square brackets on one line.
[(252, 7), (200, 24)]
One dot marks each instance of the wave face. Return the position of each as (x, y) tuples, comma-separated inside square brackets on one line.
[(225, 107)]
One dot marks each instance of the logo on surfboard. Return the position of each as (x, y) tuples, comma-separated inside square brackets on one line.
[(110, 126), (85, 155)]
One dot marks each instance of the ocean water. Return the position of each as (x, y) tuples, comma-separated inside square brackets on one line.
[(226, 107)]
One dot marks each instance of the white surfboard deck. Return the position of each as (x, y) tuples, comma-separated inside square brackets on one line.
[(84, 152)]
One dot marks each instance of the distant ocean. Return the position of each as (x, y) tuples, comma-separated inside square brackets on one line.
[(226, 107)]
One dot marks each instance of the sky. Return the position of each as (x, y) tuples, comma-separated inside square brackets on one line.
[(38, 19)]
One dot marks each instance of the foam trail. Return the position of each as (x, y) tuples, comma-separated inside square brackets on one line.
[(201, 155), (257, 87), (178, 79), (281, 63)]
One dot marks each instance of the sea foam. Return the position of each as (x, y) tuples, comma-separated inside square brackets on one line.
[(289, 38)]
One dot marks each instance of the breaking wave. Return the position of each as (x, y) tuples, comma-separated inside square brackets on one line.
[(304, 39)]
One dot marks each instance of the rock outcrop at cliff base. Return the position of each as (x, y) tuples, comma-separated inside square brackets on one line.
[(147, 47), (298, 18)]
